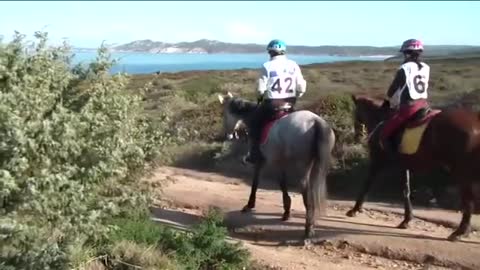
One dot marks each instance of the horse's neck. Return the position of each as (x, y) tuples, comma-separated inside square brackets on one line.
[(247, 118), (375, 117), (246, 113)]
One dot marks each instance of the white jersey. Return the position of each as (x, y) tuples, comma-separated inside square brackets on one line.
[(416, 82), (281, 78)]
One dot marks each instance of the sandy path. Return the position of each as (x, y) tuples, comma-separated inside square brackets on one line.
[(368, 241)]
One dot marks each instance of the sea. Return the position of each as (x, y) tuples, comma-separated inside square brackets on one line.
[(145, 63)]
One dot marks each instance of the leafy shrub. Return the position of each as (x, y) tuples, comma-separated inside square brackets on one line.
[(205, 247), (337, 109), (135, 227), (74, 142)]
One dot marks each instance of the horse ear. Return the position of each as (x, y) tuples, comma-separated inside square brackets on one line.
[(221, 98), (229, 94)]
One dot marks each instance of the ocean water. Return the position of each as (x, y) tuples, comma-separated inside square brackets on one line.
[(141, 63)]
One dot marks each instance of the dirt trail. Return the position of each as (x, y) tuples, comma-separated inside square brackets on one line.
[(368, 241)]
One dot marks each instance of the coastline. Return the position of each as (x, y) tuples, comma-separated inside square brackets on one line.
[(148, 63)]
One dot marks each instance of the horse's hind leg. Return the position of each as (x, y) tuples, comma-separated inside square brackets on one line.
[(408, 216), (253, 193), (468, 205), (310, 221), (287, 201)]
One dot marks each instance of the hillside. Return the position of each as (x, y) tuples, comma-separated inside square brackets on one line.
[(213, 46)]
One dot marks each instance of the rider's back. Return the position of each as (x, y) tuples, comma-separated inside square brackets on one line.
[(417, 76), (282, 78)]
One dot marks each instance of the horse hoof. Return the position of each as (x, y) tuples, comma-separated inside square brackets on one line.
[(285, 217), (352, 213), (307, 242), (246, 209), (453, 237), (457, 235), (403, 225)]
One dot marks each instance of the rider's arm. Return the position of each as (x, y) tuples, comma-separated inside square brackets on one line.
[(301, 83), (398, 82), (262, 81)]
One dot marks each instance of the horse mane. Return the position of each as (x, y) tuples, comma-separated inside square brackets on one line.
[(375, 101), (240, 106), (372, 108)]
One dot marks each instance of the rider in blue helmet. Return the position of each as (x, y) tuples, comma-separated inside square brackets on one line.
[(280, 83), (276, 47)]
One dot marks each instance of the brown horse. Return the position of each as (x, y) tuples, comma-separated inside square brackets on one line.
[(431, 139)]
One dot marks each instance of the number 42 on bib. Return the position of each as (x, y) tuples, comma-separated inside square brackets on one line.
[(283, 85)]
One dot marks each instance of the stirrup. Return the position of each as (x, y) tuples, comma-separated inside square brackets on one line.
[(247, 159)]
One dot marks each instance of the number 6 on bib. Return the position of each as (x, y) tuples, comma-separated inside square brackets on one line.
[(417, 80)]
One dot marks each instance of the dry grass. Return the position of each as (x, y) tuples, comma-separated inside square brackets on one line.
[(129, 255)]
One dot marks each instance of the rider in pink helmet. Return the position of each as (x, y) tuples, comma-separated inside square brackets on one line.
[(412, 45), (408, 92)]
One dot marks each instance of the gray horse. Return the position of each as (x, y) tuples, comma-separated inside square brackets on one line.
[(299, 146)]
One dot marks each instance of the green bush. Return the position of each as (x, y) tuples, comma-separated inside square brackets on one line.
[(135, 227), (205, 247), (126, 255), (337, 109), (74, 143)]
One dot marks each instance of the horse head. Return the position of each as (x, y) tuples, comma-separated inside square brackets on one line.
[(235, 115), (368, 113)]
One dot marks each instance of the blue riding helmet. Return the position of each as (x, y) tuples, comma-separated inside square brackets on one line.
[(277, 45)]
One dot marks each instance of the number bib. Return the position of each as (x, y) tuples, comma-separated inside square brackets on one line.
[(282, 87), (417, 79), (281, 79)]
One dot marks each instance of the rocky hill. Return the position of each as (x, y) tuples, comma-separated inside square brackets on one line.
[(214, 46)]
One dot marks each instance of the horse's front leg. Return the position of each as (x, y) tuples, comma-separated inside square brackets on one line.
[(408, 215), (253, 193), (373, 171)]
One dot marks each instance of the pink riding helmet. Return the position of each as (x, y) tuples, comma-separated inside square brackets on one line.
[(412, 45)]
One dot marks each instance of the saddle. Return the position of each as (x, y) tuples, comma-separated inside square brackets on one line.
[(280, 110), (421, 117), (408, 137)]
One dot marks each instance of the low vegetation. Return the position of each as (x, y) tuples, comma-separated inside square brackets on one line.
[(75, 145), (141, 242)]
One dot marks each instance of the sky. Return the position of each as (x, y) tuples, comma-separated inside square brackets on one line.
[(375, 23)]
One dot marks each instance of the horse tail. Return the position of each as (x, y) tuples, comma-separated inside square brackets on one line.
[(323, 144)]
